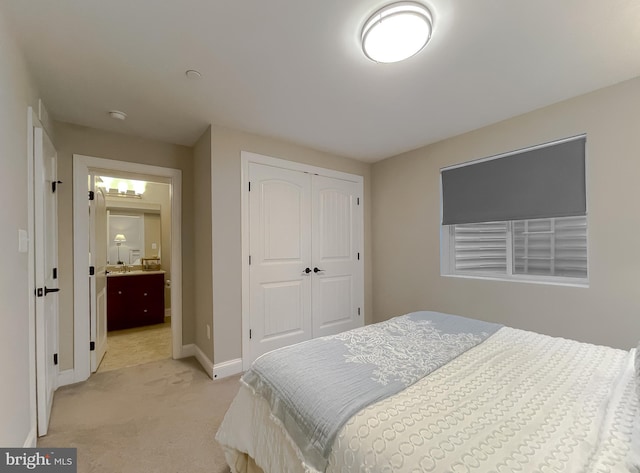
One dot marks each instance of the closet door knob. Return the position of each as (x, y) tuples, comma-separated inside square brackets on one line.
[(318, 270), (307, 270)]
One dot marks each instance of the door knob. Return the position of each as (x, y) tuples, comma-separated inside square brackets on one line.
[(318, 270), (307, 270), (47, 290)]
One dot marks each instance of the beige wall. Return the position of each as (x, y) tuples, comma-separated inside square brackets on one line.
[(226, 209), (73, 139), (152, 235), (406, 226), (16, 93), (202, 241)]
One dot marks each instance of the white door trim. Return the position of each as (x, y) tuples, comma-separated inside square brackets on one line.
[(31, 283), (247, 157), (81, 166)]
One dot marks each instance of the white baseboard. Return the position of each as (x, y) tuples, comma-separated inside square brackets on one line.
[(227, 368), (217, 371), (204, 360), (31, 439), (66, 377), (194, 350)]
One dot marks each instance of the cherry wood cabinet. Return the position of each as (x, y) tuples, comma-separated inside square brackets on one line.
[(135, 300)]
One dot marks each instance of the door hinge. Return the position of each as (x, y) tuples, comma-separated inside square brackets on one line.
[(40, 292), (92, 195), (55, 358), (358, 200), (249, 260), (54, 185), (92, 270), (249, 334), (55, 273), (249, 186), (358, 310), (358, 256), (92, 346)]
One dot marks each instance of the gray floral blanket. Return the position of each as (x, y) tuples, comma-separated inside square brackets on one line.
[(314, 387)]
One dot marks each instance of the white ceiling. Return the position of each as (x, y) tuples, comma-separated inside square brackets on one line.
[(293, 69)]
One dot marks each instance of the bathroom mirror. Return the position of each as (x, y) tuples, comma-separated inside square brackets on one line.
[(134, 213), (126, 238)]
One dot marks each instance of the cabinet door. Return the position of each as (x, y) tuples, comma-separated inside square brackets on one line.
[(116, 305), (134, 301), (149, 301)]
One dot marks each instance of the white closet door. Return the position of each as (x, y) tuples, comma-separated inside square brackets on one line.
[(338, 278), (280, 251)]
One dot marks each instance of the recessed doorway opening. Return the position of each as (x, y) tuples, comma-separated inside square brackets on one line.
[(127, 232)]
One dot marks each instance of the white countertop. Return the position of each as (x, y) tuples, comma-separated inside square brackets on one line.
[(136, 272)]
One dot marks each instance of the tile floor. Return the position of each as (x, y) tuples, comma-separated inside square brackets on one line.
[(136, 346)]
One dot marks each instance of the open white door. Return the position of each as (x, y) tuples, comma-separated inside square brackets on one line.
[(98, 281), (46, 263)]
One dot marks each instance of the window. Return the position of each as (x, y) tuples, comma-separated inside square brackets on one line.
[(521, 215), (553, 249)]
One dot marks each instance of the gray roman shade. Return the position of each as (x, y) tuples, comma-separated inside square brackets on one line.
[(542, 182)]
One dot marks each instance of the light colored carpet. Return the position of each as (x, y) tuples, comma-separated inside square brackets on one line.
[(158, 417), (135, 346)]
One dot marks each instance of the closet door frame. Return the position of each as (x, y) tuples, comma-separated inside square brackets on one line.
[(247, 158)]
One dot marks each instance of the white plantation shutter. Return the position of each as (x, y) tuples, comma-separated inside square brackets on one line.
[(481, 247), (551, 247)]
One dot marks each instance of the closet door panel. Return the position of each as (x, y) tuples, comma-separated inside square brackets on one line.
[(280, 249), (337, 249)]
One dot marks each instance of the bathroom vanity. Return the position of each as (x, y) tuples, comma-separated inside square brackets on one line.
[(134, 299)]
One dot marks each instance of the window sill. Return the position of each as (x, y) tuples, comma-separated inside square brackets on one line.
[(581, 283)]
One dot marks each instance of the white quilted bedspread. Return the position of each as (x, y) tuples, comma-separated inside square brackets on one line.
[(519, 402)]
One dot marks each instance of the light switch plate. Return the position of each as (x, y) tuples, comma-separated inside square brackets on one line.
[(154, 246)]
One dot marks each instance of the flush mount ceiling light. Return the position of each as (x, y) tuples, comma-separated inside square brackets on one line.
[(396, 32)]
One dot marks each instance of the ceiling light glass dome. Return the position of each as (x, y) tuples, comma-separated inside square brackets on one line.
[(396, 32)]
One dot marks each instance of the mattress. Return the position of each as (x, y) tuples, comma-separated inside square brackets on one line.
[(519, 401)]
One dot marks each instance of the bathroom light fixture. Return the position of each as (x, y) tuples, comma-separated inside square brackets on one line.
[(119, 239), (397, 32), (116, 187)]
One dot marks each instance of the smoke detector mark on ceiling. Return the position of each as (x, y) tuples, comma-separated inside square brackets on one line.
[(193, 74), (117, 115)]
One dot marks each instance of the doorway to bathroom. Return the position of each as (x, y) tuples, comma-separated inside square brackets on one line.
[(127, 233), (132, 228)]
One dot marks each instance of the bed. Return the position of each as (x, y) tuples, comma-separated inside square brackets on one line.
[(431, 392)]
